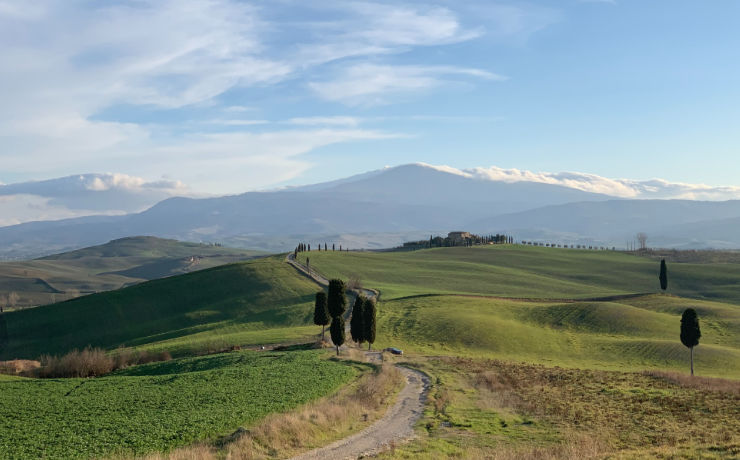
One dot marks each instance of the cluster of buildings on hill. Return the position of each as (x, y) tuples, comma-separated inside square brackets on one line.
[(458, 239)]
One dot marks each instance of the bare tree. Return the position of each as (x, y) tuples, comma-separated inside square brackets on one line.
[(13, 299), (642, 239)]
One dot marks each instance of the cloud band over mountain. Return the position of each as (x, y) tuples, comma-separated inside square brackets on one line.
[(620, 188)]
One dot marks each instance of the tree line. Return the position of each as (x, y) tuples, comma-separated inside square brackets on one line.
[(447, 242), (306, 247), (329, 309)]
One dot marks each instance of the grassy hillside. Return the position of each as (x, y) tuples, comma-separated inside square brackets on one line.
[(632, 334), (444, 301), (158, 406), (113, 265), (528, 272), (255, 302), (495, 409)]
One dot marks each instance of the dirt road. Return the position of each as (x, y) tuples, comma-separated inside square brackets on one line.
[(396, 426)]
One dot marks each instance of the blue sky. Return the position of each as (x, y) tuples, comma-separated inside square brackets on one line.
[(228, 96)]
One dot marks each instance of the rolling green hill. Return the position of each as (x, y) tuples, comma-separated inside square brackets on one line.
[(526, 272), (255, 302), (558, 307), (561, 307), (113, 265)]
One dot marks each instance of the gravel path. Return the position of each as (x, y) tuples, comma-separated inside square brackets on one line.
[(396, 426)]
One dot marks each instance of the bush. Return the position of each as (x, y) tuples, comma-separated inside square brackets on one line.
[(94, 362), (90, 362)]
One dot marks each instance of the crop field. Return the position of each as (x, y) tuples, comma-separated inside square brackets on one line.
[(159, 406), (525, 272), (253, 303), (494, 409)]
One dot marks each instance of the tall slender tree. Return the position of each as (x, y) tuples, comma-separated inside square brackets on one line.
[(337, 332), (690, 332), (663, 275), (321, 312), (356, 323), (369, 317), (337, 302)]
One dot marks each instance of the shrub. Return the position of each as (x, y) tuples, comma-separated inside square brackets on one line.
[(94, 362), (90, 362)]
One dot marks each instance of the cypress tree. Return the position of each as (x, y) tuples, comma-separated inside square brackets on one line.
[(369, 321), (321, 312), (690, 332), (356, 326), (337, 332), (336, 300), (663, 275)]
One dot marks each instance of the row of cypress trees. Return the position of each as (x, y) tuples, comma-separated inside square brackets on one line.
[(362, 323), (329, 309)]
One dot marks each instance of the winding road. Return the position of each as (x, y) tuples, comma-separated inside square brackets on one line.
[(396, 426)]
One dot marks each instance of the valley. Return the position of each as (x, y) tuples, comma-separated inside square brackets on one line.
[(477, 320)]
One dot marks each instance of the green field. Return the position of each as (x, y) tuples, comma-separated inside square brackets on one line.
[(631, 334), (256, 302), (158, 406), (113, 265), (444, 302), (525, 272), (453, 306)]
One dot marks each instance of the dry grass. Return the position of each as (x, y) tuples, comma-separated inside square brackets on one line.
[(18, 366), (698, 383), (573, 447), (313, 425), (320, 422), (611, 411), (91, 362), (199, 452)]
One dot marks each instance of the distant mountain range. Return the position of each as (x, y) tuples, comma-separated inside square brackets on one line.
[(386, 207)]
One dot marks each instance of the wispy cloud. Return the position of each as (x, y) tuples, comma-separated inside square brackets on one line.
[(67, 61), (373, 28), (369, 84), (325, 121)]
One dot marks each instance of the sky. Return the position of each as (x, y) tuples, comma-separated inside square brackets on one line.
[(227, 96)]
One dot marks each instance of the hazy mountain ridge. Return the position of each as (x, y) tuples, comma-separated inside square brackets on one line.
[(383, 208)]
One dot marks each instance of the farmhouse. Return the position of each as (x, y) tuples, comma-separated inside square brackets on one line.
[(458, 237)]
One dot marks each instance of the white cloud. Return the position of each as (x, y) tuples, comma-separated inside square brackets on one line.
[(67, 61), (621, 188), (331, 121), (82, 195), (373, 28), (369, 84)]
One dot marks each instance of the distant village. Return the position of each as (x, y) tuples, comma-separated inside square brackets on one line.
[(458, 239), (469, 239)]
